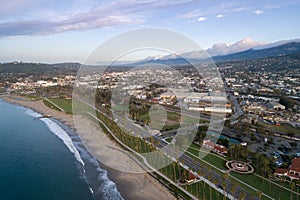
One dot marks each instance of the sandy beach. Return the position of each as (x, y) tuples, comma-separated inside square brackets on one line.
[(130, 185)]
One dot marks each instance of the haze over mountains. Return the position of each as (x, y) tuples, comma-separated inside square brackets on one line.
[(243, 50), (255, 52), (222, 49)]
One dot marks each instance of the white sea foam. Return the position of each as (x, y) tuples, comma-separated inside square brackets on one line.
[(32, 113), (108, 187), (92, 191), (61, 134)]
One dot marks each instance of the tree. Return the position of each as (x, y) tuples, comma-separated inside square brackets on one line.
[(259, 194), (217, 192), (174, 169), (223, 141), (201, 133), (292, 188), (288, 103), (298, 186), (233, 189), (202, 185), (178, 165), (210, 179), (224, 179), (242, 196)]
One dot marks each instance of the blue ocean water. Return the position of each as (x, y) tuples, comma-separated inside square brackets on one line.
[(41, 159)]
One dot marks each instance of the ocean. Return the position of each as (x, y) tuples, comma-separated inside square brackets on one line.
[(44, 160)]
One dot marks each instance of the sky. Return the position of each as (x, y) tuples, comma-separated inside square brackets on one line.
[(69, 30)]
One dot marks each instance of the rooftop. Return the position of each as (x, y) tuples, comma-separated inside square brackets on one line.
[(295, 164)]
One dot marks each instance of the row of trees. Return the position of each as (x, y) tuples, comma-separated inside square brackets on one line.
[(139, 111)]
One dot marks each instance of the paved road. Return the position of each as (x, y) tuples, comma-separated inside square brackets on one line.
[(237, 108)]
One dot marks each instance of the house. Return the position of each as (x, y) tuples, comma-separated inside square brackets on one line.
[(191, 178), (167, 95), (275, 105), (215, 147), (293, 172)]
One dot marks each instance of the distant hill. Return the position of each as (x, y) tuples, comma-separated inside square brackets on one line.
[(20, 67), (68, 65), (17, 67), (285, 49), (168, 62)]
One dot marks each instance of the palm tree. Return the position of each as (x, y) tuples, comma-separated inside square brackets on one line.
[(184, 175), (298, 186), (174, 169), (242, 196), (209, 178), (259, 194), (202, 185), (281, 178), (233, 189), (292, 188), (256, 157), (270, 181), (252, 195), (264, 162), (224, 179), (178, 166), (197, 189), (217, 192)]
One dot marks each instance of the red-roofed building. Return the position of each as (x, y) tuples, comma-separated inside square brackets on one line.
[(191, 178), (215, 147), (293, 172)]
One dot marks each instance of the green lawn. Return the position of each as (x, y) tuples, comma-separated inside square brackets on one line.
[(267, 187), (169, 139), (282, 128), (50, 105), (65, 104), (120, 108), (210, 157)]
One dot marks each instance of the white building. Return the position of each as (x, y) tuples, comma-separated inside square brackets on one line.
[(275, 106)]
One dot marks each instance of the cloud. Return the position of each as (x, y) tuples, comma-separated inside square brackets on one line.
[(97, 16), (214, 10), (220, 16), (258, 12), (201, 19), (234, 7), (216, 50), (46, 27), (223, 48)]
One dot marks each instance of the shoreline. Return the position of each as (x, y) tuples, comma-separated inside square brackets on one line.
[(130, 185)]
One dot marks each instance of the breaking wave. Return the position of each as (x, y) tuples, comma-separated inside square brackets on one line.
[(102, 187), (61, 134)]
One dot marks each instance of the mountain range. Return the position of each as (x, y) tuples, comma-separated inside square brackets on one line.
[(256, 51), (219, 52)]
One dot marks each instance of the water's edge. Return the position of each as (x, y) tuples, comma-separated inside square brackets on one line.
[(101, 187)]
